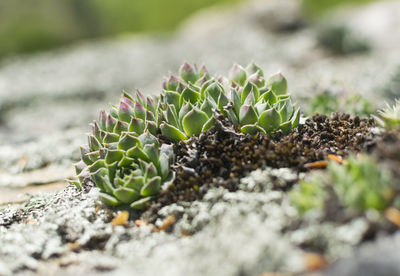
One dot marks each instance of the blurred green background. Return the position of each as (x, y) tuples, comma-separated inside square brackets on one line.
[(32, 25)]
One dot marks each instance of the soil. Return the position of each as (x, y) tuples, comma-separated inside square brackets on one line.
[(222, 156)]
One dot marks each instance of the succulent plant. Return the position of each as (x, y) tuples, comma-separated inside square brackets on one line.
[(260, 106), (309, 195), (389, 117), (247, 100), (359, 184), (123, 157), (337, 100)]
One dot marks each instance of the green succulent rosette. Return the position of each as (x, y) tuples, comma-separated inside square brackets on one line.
[(251, 103), (123, 157)]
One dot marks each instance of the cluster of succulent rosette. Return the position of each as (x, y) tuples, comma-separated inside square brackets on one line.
[(124, 156)]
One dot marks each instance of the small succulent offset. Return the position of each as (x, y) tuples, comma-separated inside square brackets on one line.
[(389, 117), (359, 184), (123, 157), (257, 105), (247, 100), (184, 110)]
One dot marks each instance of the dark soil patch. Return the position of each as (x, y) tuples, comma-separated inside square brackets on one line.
[(222, 156)]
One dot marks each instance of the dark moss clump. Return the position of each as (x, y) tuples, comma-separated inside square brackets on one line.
[(220, 157)]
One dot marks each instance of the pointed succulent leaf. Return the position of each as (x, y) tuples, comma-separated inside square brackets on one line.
[(172, 83), (150, 171), (96, 131), (151, 105), (247, 115), (253, 68), (252, 129), (114, 112), (151, 127), (247, 89), (189, 95), (204, 86), (110, 138), (113, 156), (126, 195), (222, 101), (137, 125), (261, 107), (125, 112), (137, 153), (120, 127), (194, 87), (269, 97), (214, 90), (108, 199), (150, 116), (171, 97), (79, 167), (270, 120), (99, 164), (209, 124), (238, 74), (110, 123), (111, 171), (128, 140), (278, 84), (94, 144), (295, 118), (94, 155), (184, 110), (286, 127), (172, 132), (140, 98), (251, 99), (135, 182), (193, 122), (188, 73), (152, 187), (169, 151), (236, 101), (152, 152), (98, 178), (140, 111), (128, 99), (203, 72), (141, 203), (164, 166), (103, 120), (170, 115), (207, 108), (231, 115), (84, 154), (148, 138), (262, 90), (125, 161), (257, 80)]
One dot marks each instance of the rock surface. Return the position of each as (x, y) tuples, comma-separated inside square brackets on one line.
[(48, 99)]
